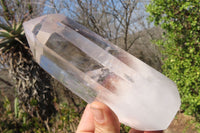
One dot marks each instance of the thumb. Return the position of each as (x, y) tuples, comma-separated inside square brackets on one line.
[(104, 118)]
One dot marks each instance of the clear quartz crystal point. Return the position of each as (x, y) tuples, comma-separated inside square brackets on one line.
[(95, 69)]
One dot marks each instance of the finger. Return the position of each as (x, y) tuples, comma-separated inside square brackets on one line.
[(86, 124), (104, 118)]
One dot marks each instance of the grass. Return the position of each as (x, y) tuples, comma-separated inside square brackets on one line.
[(15, 120)]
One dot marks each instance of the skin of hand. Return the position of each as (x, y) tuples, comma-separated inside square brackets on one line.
[(99, 118)]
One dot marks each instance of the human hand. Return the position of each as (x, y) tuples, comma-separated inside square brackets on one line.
[(99, 118)]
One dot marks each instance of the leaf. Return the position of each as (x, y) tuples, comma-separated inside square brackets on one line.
[(4, 43), (6, 27), (16, 107), (19, 28), (5, 34)]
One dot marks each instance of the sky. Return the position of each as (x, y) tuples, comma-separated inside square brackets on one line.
[(58, 6)]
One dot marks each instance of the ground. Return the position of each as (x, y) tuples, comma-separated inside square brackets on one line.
[(182, 124)]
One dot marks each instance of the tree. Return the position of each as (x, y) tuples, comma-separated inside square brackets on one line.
[(122, 22), (37, 91), (108, 18), (180, 19), (32, 83)]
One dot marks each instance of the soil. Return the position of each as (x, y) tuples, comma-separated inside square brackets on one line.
[(182, 124)]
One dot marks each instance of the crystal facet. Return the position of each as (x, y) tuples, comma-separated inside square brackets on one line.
[(95, 69)]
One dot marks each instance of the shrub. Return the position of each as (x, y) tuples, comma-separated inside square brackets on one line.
[(17, 120), (181, 22)]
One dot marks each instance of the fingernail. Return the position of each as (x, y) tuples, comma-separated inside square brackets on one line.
[(98, 115)]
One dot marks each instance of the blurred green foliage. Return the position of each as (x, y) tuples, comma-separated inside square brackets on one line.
[(16, 120), (180, 20)]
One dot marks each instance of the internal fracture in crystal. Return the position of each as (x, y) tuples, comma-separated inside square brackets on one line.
[(95, 69)]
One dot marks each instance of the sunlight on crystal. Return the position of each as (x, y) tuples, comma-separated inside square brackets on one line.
[(95, 69)]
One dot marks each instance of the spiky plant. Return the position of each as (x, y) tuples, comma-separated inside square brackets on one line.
[(32, 83)]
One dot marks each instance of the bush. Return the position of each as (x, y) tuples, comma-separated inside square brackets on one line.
[(16, 120), (181, 22)]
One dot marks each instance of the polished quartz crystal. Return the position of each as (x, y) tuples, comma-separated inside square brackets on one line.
[(95, 69)]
